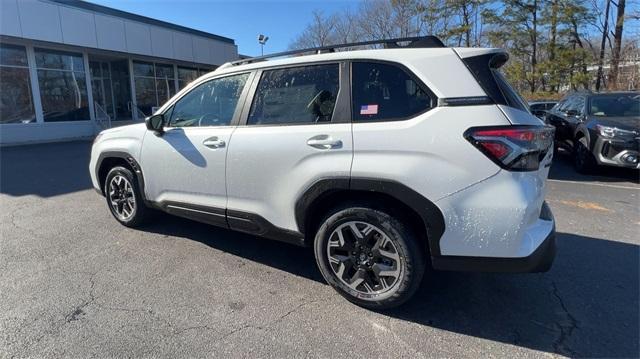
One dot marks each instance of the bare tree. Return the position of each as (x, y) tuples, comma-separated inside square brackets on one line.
[(617, 39), (320, 32), (605, 31)]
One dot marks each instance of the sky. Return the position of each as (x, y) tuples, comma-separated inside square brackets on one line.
[(241, 20)]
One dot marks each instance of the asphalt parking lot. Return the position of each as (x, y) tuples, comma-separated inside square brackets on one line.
[(75, 283)]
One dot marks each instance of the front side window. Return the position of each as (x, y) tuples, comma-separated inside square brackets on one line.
[(296, 95), (63, 89), (212, 103), (383, 92), (619, 105), (16, 105)]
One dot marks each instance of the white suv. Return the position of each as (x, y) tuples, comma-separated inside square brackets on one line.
[(385, 161)]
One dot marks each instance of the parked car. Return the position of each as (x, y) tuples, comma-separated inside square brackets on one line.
[(353, 154), (599, 128), (540, 108)]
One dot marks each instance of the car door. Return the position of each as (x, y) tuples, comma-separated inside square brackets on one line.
[(575, 114), (557, 118), (295, 130), (184, 168)]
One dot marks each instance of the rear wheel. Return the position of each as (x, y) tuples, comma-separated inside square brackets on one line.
[(369, 257), (583, 159), (124, 198)]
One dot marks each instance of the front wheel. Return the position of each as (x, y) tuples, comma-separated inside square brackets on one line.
[(369, 257), (583, 159), (124, 198)]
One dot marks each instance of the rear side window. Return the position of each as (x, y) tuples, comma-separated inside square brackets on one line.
[(383, 92), (485, 69), (513, 98), (296, 95)]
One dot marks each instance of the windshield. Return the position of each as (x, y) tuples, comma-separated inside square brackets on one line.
[(620, 105)]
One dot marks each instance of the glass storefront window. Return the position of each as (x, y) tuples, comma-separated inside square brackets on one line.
[(12, 55), (185, 76), (16, 105), (63, 90), (143, 69), (154, 84), (164, 71), (60, 60)]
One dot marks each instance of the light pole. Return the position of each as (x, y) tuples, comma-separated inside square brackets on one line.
[(262, 39)]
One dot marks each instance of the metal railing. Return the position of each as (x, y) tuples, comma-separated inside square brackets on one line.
[(103, 120), (139, 115)]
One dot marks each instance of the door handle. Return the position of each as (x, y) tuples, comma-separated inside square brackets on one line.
[(214, 142), (324, 142)]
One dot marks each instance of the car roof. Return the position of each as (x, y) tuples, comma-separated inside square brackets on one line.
[(393, 55)]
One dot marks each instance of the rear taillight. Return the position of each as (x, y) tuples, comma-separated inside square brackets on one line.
[(515, 148)]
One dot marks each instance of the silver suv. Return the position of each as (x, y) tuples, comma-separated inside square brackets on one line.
[(385, 161)]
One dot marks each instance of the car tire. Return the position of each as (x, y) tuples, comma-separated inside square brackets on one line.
[(355, 245), (583, 159), (124, 198)]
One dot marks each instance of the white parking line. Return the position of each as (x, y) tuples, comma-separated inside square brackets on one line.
[(595, 184)]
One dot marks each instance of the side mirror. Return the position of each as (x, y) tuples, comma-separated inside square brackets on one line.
[(572, 113), (155, 123)]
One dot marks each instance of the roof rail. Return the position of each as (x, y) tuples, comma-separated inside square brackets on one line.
[(414, 42)]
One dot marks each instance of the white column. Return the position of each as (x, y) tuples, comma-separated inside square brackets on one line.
[(87, 76), (134, 103), (35, 86), (175, 77)]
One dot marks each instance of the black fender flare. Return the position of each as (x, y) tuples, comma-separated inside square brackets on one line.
[(429, 213), (582, 129), (137, 170)]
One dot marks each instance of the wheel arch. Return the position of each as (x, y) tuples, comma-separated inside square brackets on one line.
[(580, 132), (326, 193), (107, 160)]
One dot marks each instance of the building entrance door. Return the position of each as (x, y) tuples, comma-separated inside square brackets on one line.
[(102, 88)]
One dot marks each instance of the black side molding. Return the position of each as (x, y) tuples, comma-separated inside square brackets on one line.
[(254, 224), (209, 215), (465, 101), (246, 222)]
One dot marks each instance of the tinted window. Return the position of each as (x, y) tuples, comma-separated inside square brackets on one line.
[(296, 95), (537, 106), (383, 92), (615, 105), (210, 104), (513, 98)]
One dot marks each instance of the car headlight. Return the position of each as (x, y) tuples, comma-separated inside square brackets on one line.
[(611, 132)]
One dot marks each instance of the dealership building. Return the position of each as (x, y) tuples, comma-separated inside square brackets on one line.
[(70, 68)]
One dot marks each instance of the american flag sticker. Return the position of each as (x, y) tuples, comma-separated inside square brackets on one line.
[(369, 109)]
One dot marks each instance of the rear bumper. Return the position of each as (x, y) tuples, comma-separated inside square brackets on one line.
[(540, 260)]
